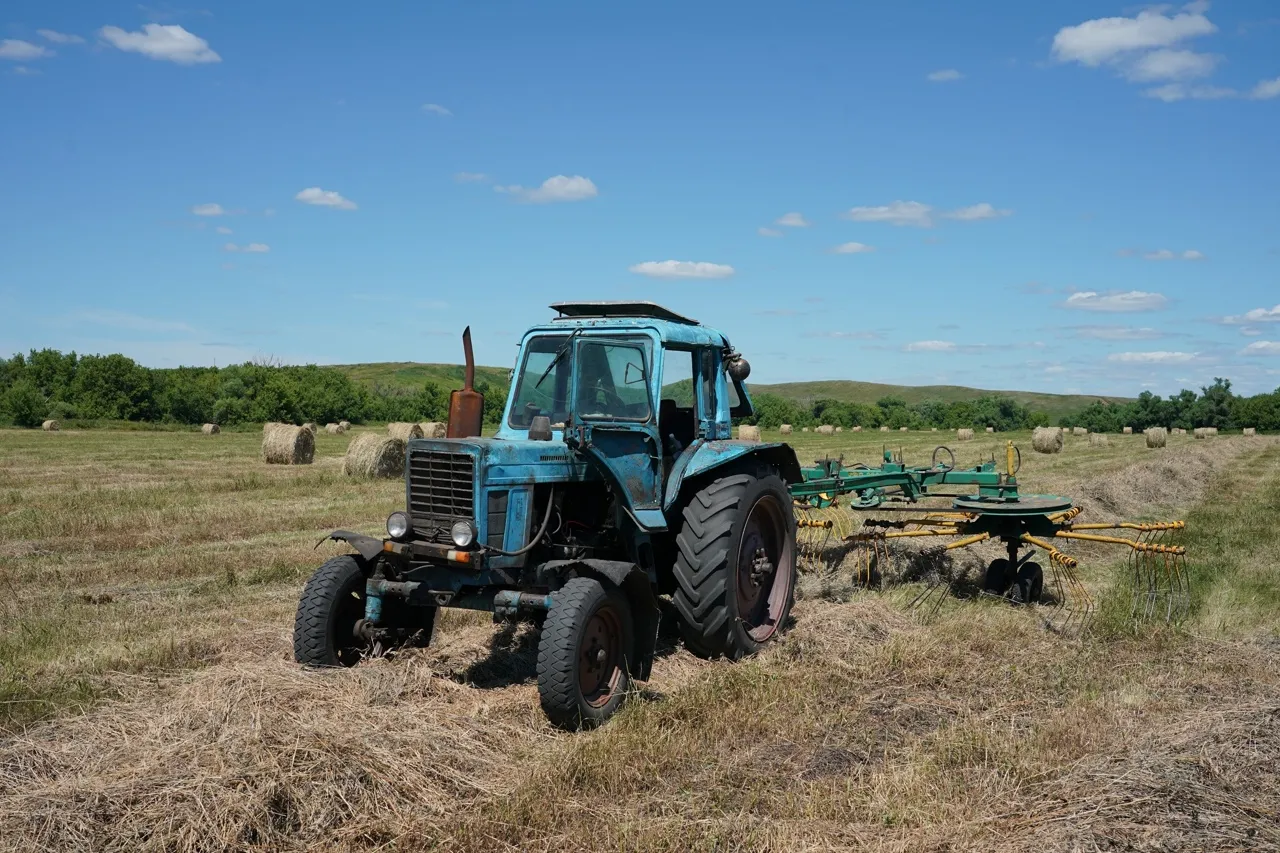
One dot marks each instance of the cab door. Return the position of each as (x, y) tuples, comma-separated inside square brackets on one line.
[(613, 420)]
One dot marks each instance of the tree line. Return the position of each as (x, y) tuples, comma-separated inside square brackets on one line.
[(1003, 413), (1215, 406), (48, 384)]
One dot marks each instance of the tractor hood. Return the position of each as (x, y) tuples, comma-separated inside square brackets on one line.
[(506, 462)]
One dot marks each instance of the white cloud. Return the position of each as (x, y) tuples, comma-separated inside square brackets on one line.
[(19, 50), (975, 212), (1132, 300), (946, 75), (1193, 255), (1250, 331), (930, 346), (60, 38), (1169, 255), (1178, 92), (209, 209), (437, 109), (557, 188), (251, 248), (1105, 40), (222, 229), (1152, 357), (897, 213), (168, 42), (470, 177), (682, 269), (768, 232), (325, 198), (1266, 89), (1171, 65), (853, 248), (1257, 315), (792, 220), (1117, 333), (1263, 348)]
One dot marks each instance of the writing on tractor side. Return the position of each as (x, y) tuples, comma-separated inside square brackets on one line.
[(612, 492)]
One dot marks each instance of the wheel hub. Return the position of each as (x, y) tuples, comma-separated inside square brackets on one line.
[(600, 656)]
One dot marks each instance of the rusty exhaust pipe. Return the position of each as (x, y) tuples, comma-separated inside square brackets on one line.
[(466, 407)]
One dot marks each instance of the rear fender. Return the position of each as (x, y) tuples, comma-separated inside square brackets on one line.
[(634, 583), (704, 457)]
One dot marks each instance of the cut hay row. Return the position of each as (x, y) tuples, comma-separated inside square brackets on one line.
[(434, 429), (404, 431), (286, 444), (50, 426), (1156, 437), (210, 429), (964, 434), (1047, 440), (746, 432), (374, 456)]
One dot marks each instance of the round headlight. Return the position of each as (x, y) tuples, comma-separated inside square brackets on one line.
[(463, 533), (397, 525)]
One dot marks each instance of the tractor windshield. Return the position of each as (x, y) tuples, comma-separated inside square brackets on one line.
[(613, 380), (542, 383)]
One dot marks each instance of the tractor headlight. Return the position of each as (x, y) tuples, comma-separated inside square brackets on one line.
[(463, 533), (397, 525)]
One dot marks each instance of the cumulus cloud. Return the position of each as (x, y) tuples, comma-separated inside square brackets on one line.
[(1257, 315), (553, 189), (1107, 40), (1250, 331), (60, 38), (682, 269), (946, 75), (1126, 301), (325, 198), (930, 346), (975, 212), (437, 109), (768, 232), (1159, 357), (209, 209), (1116, 333), (250, 248), (1178, 92), (853, 248), (222, 229), (1266, 89), (167, 42), (792, 220), (920, 215), (19, 50), (1168, 255), (1263, 348), (1171, 65)]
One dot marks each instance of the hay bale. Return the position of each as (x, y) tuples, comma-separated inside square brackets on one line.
[(826, 429), (434, 429), (1097, 440), (839, 429), (1128, 430), (373, 456), (1211, 430), (903, 429), (991, 429), (404, 431), (747, 432), (210, 429), (785, 429), (805, 429), (1079, 431), (1156, 437), (286, 444), (1202, 432), (1178, 431), (310, 427), (1250, 431), (346, 425), (933, 429), (1047, 440), (334, 429), (857, 429), (964, 434), (50, 426), (884, 429)]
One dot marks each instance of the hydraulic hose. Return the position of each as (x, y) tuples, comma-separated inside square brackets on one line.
[(542, 531)]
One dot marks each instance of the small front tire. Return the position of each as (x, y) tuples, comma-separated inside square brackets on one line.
[(584, 653), (332, 603)]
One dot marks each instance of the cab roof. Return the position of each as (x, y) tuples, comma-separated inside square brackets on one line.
[(619, 309), (622, 315)]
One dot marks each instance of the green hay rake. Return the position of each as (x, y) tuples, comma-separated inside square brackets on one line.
[(834, 507)]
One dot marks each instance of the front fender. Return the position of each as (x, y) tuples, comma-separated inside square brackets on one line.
[(366, 546), (704, 456)]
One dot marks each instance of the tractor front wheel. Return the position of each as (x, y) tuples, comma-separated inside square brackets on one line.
[(586, 646), (736, 566), (331, 604)]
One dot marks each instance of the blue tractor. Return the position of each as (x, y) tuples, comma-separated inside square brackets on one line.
[(611, 495)]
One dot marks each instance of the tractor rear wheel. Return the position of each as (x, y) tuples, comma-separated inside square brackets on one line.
[(584, 652), (332, 603), (735, 568)]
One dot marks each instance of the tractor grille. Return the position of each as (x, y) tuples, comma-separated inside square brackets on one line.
[(441, 491)]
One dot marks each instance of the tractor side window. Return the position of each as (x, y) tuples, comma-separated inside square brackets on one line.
[(676, 418), (543, 383), (613, 382)]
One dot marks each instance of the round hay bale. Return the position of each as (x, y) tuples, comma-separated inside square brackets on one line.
[(310, 427), (404, 431), (804, 429), (210, 429), (346, 425), (1128, 430), (434, 429), (857, 429), (785, 429), (964, 434), (991, 429), (374, 456), (747, 432), (334, 429), (1250, 430), (1079, 431), (1097, 440), (1210, 430), (884, 429), (1177, 431), (839, 429), (933, 429), (903, 429), (1156, 437), (826, 429), (50, 426), (1047, 440), (1206, 432), (286, 444)]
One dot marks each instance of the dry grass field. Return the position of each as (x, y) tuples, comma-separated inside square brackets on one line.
[(149, 702)]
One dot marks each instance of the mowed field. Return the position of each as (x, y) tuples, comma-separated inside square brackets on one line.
[(149, 701)]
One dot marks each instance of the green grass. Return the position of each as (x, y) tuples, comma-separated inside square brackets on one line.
[(411, 376)]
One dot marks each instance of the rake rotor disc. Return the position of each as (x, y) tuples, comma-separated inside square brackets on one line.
[(1022, 505)]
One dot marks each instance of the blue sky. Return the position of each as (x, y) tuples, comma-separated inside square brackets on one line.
[(1058, 196)]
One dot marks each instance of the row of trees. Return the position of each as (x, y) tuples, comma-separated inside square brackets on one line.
[(50, 384), (1002, 413), (1215, 406)]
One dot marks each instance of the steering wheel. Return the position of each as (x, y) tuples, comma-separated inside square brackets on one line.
[(612, 399), (934, 460)]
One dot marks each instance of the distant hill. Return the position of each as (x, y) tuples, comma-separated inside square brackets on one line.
[(412, 376)]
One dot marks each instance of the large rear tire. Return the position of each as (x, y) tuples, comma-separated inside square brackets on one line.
[(735, 568), (586, 646)]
